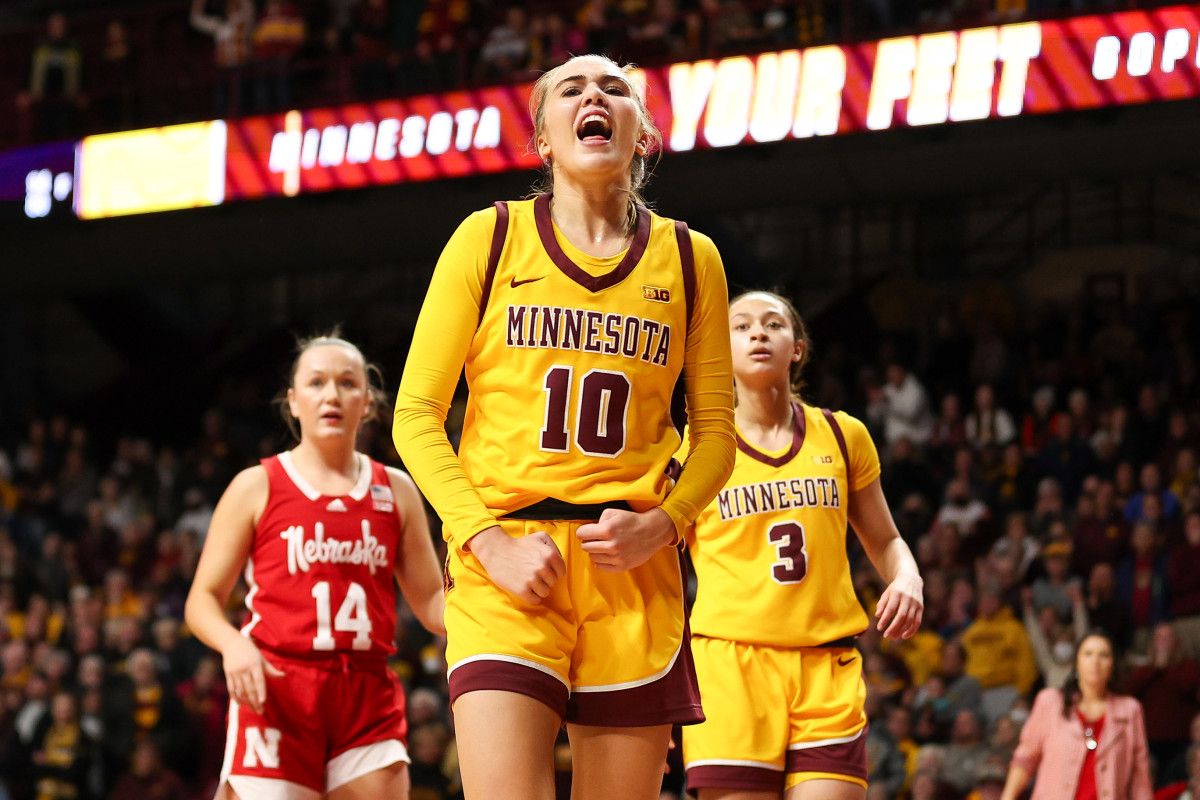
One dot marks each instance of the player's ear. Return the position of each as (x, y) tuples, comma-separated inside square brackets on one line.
[(291, 401), (543, 149), (798, 351)]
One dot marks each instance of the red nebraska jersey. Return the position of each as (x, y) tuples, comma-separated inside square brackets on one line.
[(320, 571)]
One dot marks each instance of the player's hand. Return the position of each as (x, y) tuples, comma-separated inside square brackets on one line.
[(901, 607), (246, 673), (527, 566), (622, 540)]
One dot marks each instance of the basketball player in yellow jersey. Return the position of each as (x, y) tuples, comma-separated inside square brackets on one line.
[(775, 613), (575, 316)]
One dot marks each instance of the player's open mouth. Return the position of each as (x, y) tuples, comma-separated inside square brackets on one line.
[(760, 354), (331, 416), (594, 128)]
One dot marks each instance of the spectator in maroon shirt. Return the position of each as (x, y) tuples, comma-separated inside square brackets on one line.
[(1096, 539), (1142, 579), (1183, 570), (147, 778), (1038, 426), (949, 427), (277, 35), (1167, 688)]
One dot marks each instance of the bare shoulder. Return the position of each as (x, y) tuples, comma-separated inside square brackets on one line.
[(401, 482), (250, 484)]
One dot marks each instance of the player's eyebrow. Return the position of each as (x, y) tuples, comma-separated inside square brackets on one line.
[(583, 79)]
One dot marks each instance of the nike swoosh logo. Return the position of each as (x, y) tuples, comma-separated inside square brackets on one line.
[(844, 660), (514, 283)]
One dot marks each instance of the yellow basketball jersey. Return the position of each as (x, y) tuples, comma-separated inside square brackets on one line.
[(572, 369), (770, 550)]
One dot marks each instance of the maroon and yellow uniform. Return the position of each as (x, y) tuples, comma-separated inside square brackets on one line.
[(775, 613), (572, 363)]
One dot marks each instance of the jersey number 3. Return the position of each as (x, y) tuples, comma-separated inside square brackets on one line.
[(788, 538), (602, 411)]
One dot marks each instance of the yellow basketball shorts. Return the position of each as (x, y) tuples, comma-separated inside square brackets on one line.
[(605, 648), (776, 716)]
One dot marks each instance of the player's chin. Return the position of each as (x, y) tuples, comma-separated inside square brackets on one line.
[(604, 161), (333, 430)]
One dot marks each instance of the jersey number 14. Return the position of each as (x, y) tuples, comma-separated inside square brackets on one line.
[(352, 617)]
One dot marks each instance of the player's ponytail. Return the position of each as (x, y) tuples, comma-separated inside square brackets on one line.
[(377, 397), (642, 164), (800, 331)]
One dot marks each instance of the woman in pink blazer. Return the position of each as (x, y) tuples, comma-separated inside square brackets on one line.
[(1083, 741)]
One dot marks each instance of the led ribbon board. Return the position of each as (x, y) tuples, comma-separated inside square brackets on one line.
[(370, 144), (981, 73), (992, 72)]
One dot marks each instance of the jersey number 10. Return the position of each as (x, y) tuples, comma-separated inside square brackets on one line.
[(603, 405)]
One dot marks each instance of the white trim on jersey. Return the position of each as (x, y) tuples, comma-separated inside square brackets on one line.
[(231, 737), (616, 687), (357, 493), (511, 660), (345, 767), (733, 762), (270, 788), (825, 742), (255, 617)]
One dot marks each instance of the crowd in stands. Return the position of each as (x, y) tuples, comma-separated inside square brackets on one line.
[(1043, 468), (85, 70)]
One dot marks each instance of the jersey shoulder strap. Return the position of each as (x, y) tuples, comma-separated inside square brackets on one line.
[(688, 262), (841, 439), (499, 234)]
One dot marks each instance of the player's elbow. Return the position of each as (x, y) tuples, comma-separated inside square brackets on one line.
[(412, 418)]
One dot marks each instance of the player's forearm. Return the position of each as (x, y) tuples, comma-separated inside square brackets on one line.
[(205, 617), (708, 376), (893, 560), (709, 464), (1018, 777), (431, 613)]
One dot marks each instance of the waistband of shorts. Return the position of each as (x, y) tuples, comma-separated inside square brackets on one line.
[(338, 661), (844, 643), (554, 509)]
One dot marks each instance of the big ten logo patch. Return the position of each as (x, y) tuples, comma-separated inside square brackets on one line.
[(262, 747), (656, 294), (822, 459)]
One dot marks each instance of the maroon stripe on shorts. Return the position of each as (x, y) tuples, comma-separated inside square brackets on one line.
[(726, 776), (504, 676), (673, 698), (847, 758)]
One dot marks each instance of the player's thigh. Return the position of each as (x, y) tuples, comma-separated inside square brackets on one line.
[(388, 782), (624, 762), (505, 745), (826, 789)]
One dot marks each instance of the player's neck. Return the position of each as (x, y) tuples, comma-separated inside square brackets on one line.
[(326, 461), (764, 416), (593, 218)]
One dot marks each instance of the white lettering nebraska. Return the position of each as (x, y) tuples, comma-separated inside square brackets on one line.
[(304, 552)]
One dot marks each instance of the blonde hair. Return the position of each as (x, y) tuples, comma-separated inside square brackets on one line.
[(374, 378), (640, 168)]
